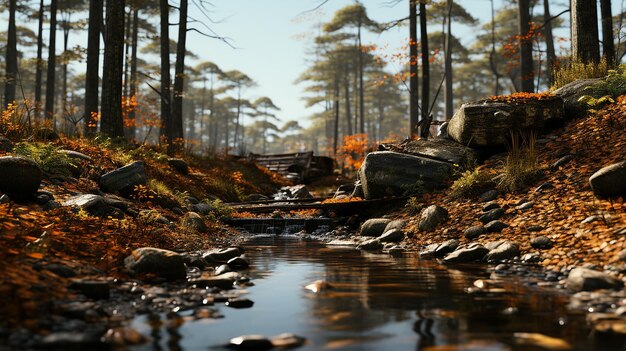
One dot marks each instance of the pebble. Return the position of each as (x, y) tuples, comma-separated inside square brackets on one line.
[(589, 219), (239, 303), (237, 263), (535, 228), (526, 206), (251, 342), (541, 242), (491, 215), (490, 206), (495, 226), (489, 196), (474, 231)]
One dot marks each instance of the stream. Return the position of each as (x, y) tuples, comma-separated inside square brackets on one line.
[(375, 302)]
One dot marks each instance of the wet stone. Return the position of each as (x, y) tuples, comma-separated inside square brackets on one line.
[(222, 256), (583, 279), (504, 250), (446, 247), (531, 258), (237, 263), (470, 253), (222, 269), (393, 235), (474, 231), (492, 215), (288, 341), (239, 303), (374, 227), (589, 219), (370, 245), (541, 242), (495, 226), (251, 342)]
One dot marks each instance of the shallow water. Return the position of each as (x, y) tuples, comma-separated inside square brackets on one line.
[(378, 302)]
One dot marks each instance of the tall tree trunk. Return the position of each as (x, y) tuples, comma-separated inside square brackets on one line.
[(127, 45), (177, 106), (112, 119), (492, 54), (608, 42), (348, 111), (448, 94), (202, 109), (413, 70), (93, 64), (50, 76), (526, 47), (166, 109), (66, 35), (361, 88), (132, 115), (425, 123), (585, 42), (336, 124), (550, 51), (10, 83), (39, 68)]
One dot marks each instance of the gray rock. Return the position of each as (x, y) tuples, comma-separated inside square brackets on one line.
[(441, 150), (474, 231), (93, 289), (222, 269), (505, 250), (429, 251), (124, 179), (6, 145), (374, 227), (489, 196), (491, 215), (589, 219), (201, 208), (491, 205), (392, 236), (470, 253), (396, 251), (358, 190), (299, 191), (163, 263), (531, 258), (19, 177), (75, 155), (541, 242), (90, 203), (194, 260), (387, 173), (222, 281), (535, 228), (544, 187), (570, 93), (561, 162), (194, 221), (442, 131), (344, 189), (525, 206), (237, 263), (610, 181), (48, 206), (395, 224), (370, 245), (239, 303), (446, 247), (583, 279), (179, 165), (488, 123), (495, 226), (223, 255), (251, 342), (431, 217), (117, 202)]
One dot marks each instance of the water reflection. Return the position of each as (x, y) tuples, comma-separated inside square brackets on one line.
[(375, 302)]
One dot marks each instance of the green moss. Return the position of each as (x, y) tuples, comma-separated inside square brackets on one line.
[(47, 156)]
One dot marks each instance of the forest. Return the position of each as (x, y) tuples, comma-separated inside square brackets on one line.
[(358, 92)]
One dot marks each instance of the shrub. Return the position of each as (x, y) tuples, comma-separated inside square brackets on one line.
[(413, 206), (47, 156), (472, 183), (607, 90), (576, 71), (219, 210), (520, 167)]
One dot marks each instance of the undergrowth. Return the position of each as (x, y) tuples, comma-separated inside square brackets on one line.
[(47, 156), (520, 167), (472, 183), (576, 71)]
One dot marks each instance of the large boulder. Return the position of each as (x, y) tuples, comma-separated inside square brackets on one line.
[(19, 177), (570, 93), (124, 179), (488, 123), (387, 173), (93, 204), (163, 263), (610, 181), (442, 150)]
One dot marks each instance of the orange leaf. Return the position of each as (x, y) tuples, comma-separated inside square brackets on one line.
[(35, 255)]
